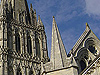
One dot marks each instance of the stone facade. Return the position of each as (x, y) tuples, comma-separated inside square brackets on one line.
[(23, 45), (23, 42)]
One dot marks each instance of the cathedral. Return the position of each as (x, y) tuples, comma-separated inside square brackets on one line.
[(23, 45)]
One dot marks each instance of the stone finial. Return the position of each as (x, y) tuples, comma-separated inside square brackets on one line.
[(87, 26), (34, 11), (38, 17), (31, 5), (53, 17)]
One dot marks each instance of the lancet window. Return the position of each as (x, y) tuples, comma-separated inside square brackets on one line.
[(17, 42), (83, 65), (37, 47), (29, 45), (19, 72)]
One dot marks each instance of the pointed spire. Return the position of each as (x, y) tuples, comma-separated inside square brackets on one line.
[(87, 26), (40, 21), (31, 7), (58, 52), (35, 18), (34, 11), (38, 17), (31, 14)]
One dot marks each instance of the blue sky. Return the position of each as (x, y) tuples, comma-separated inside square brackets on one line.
[(70, 16)]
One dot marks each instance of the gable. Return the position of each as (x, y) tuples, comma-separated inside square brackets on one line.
[(84, 38)]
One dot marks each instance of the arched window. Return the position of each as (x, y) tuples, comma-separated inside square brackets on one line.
[(19, 71), (9, 39), (17, 42), (30, 72), (10, 71), (92, 49), (83, 65), (29, 45), (37, 47)]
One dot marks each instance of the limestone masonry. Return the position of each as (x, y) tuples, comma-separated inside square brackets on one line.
[(23, 45)]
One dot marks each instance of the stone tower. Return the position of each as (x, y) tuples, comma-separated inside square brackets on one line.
[(23, 42)]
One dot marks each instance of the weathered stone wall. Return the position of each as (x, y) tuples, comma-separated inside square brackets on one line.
[(68, 71)]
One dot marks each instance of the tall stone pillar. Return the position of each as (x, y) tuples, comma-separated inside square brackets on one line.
[(4, 65), (13, 34), (25, 41), (21, 40), (1, 65), (5, 36), (1, 35), (41, 50), (34, 45)]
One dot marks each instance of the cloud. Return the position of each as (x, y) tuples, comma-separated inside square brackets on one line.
[(93, 7), (69, 9)]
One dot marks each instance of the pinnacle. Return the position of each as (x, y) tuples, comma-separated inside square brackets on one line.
[(53, 17), (34, 11), (38, 17), (31, 5), (87, 26)]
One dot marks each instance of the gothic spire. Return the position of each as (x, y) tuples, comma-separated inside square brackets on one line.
[(31, 14), (40, 24), (35, 18), (31, 8), (40, 21), (58, 52)]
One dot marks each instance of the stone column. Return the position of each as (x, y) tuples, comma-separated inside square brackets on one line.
[(24, 17), (22, 38), (25, 41), (13, 6), (45, 51), (1, 65), (5, 36), (1, 35), (13, 34), (41, 50), (21, 41), (4, 65), (34, 45)]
